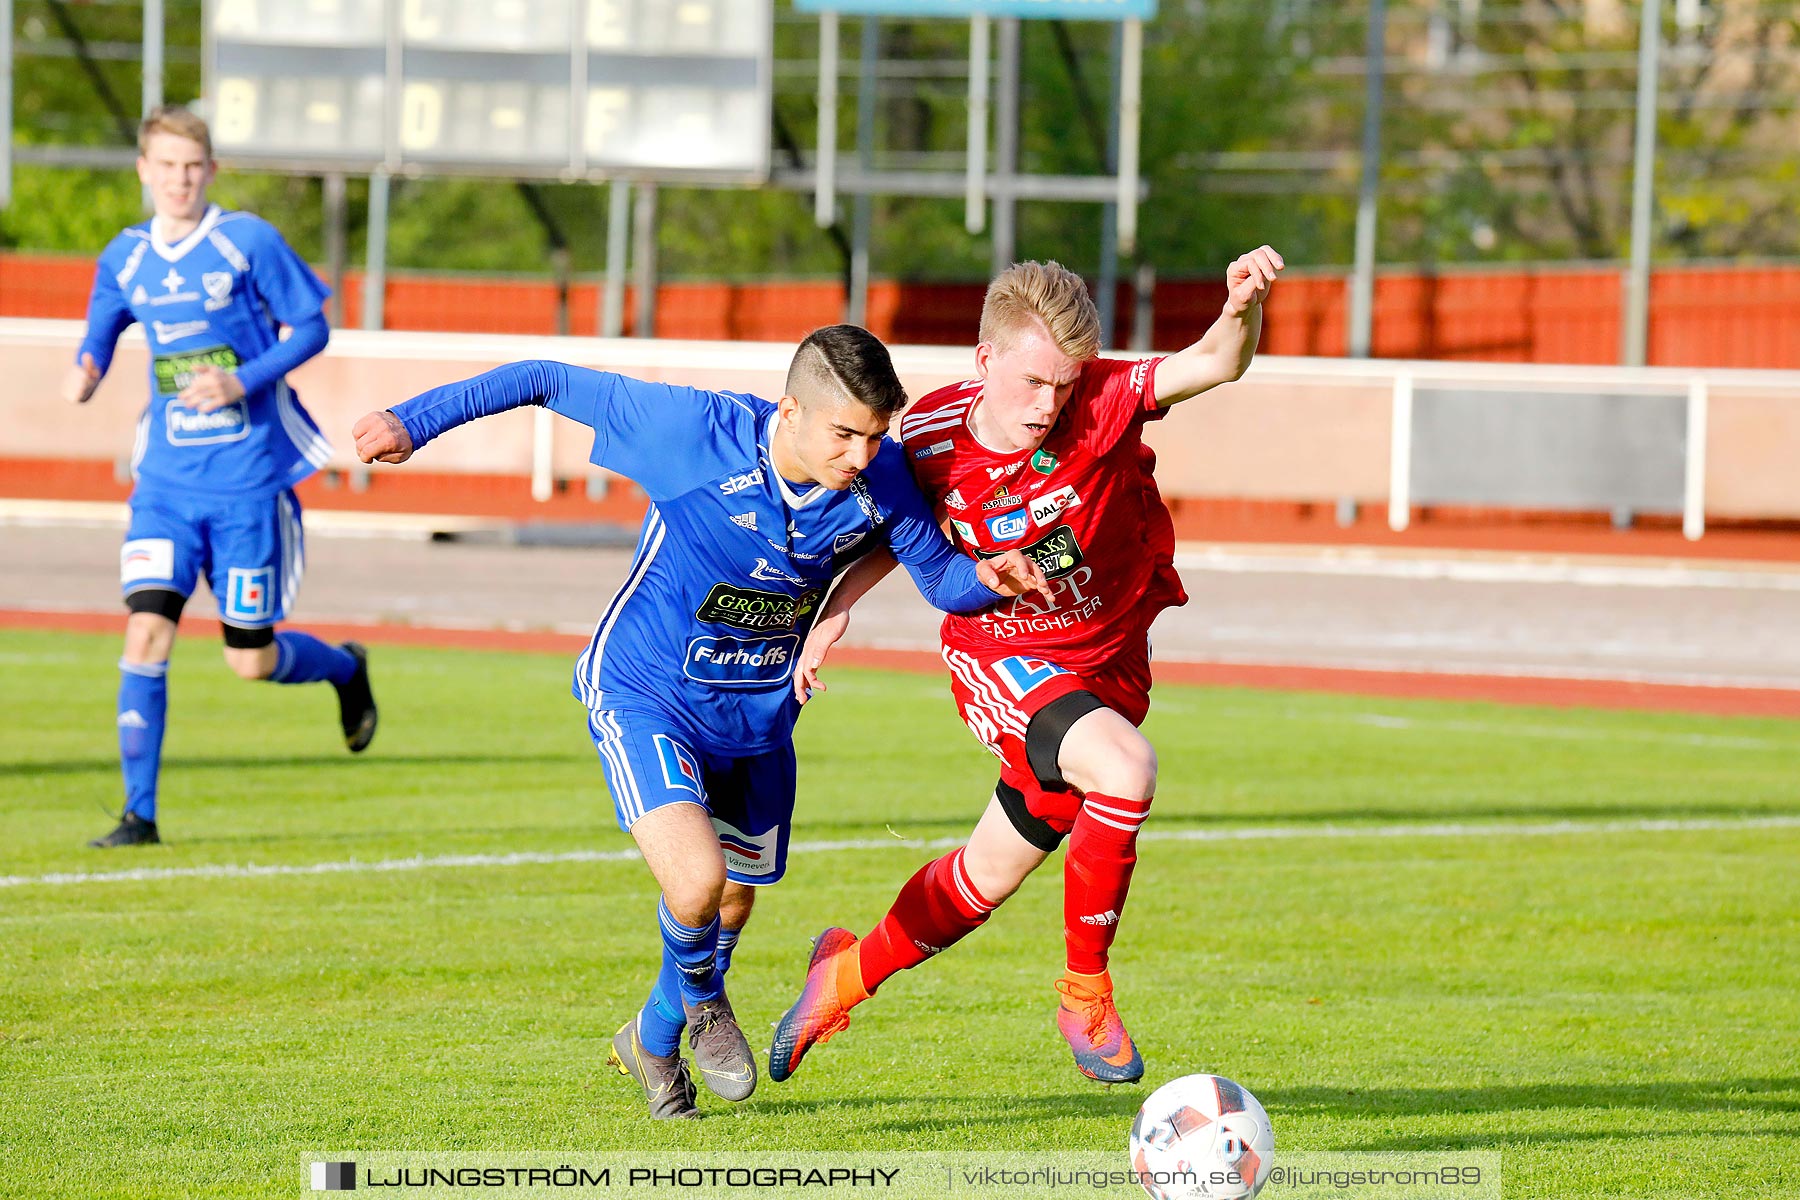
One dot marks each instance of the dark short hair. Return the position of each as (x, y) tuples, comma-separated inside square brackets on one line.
[(846, 362)]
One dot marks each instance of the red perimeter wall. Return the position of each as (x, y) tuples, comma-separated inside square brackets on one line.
[(1716, 316)]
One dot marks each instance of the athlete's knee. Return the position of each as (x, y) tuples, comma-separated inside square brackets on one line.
[(256, 663), (1112, 758), (996, 877), (149, 637), (250, 653), (695, 898)]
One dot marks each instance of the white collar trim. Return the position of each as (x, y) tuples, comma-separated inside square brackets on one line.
[(209, 219)]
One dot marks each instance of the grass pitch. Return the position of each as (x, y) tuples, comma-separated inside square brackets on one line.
[(1610, 1003)]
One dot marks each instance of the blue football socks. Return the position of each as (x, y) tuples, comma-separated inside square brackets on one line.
[(303, 658), (689, 971), (143, 713)]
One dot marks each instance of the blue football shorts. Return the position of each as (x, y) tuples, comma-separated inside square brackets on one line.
[(252, 552), (649, 763)]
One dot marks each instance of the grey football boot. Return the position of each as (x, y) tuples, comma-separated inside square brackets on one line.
[(721, 1052), (664, 1077)]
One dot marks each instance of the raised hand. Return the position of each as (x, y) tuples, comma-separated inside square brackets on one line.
[(1249, 279), (380, 437)]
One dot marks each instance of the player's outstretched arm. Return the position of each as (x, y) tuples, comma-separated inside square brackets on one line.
[(1224, 351), (834, 619)]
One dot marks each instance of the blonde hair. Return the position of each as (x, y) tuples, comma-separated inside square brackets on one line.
[(1048, 293), (173, 118)]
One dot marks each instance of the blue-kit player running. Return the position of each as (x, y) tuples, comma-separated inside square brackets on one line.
[(219, 447), (755, 507)]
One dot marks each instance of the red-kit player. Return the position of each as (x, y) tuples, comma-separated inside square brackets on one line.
[(1043, 452)]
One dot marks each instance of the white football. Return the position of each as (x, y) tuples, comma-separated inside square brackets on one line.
[(1202, 1137)]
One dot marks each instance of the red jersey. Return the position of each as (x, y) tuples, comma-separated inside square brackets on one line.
[(1084, 505)]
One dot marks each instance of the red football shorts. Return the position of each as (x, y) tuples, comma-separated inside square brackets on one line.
[(998, 696)]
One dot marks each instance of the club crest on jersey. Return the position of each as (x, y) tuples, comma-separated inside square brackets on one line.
[(679, 770), (846, 541), (250, 594), (934, 448), (1006, 526), (218, 289), (1043, 462)]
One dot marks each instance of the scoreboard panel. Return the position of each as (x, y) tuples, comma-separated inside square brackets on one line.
[(676, 89)]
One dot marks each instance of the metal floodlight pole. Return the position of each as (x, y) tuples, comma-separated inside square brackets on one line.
[(862, 225), (825, 193), (374, 313), (153, 55), (1636, 349), (1131, 96), (6, 105), (975, 195), (643, 259), (618, 244), (1362, 279), (1006, 145), (1108, 299)]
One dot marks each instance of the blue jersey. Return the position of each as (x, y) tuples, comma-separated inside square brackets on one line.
[(732, 561), (218, 297)]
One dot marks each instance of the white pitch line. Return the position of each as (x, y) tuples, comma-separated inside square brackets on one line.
[(1777, 578), (1265, 833)]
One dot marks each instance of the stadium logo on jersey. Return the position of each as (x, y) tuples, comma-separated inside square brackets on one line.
[(740, 662), (738, 483), (1004, 527), (757, 611), (1045, 508), (186, 427), (934, 448), (139, 295), (250, 593), (218, 289), (757, 855), (745, 521), (762, 570), (679, 770), (146, 558), (166, 332), (846, 541), (1023, 675), (964, 530), (955, 499), (1057, 552)]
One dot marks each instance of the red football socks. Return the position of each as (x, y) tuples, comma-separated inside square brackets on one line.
[(938, 907), (1096, 876)]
